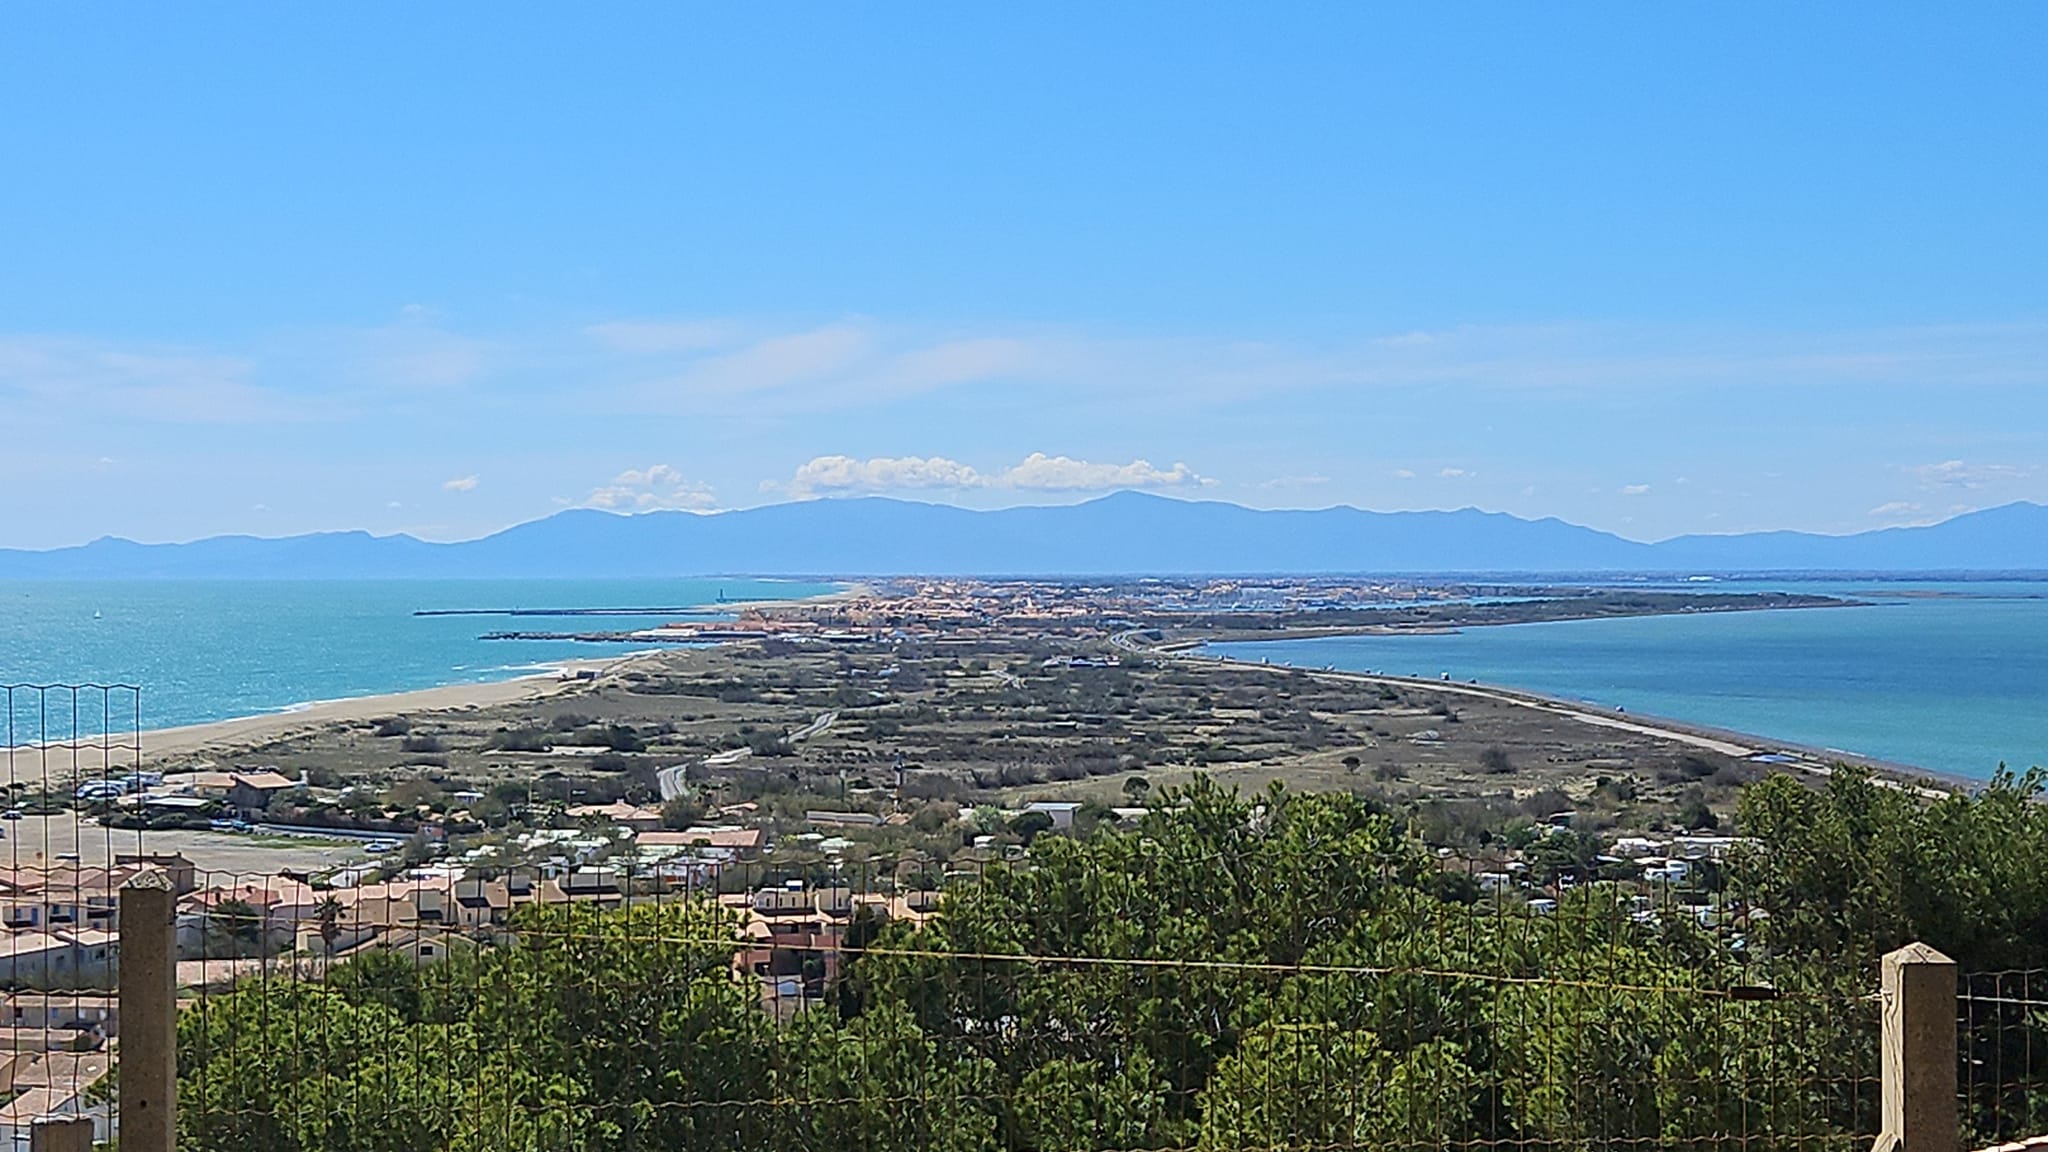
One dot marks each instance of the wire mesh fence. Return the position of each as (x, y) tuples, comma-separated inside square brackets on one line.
[(2003, 1046), (774, 1007), (1241, 978), (68, 747)]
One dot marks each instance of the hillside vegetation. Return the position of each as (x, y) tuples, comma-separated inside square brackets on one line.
[(1268, 970)]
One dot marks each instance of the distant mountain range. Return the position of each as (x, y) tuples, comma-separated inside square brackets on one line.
[(1125, 533)]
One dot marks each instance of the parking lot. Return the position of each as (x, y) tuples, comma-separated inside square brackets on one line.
[(32, 840)]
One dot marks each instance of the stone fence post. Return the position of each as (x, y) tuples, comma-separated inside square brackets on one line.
[(149, 1013), (1917, 1085)]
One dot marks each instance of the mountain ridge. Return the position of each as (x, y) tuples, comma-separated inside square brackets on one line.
[(1125, 533)]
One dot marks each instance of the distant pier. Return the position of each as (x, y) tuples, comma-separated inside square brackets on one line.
[(694, 610)]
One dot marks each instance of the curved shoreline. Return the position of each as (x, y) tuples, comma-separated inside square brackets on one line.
[(193, 739), (1806, 758)]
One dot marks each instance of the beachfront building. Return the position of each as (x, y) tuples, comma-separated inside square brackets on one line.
[(60, 922)]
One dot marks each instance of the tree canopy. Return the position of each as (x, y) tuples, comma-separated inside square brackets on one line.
[(1239, 971)]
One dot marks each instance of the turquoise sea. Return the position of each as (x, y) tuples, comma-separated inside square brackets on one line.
[(211, 650), (1947, 676), (1952, 677)]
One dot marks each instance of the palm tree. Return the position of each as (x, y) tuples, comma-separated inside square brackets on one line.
[(328, 913)]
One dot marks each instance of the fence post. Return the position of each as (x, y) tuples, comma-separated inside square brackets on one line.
[(60, 1134), (1918, 1051), (149, 1013)]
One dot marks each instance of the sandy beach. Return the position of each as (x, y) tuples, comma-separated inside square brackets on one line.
[(196, 739)]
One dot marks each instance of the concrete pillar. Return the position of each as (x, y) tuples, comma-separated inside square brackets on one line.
[(60, 1134), (149, 1013), (1918, 1052)]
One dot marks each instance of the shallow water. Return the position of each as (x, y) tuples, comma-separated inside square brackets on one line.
[(210, 650), (1956, 681)]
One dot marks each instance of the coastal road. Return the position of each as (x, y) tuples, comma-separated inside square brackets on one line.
[(817, 727), (671, 779)]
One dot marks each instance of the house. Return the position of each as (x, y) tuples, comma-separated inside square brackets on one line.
[(73, 1070), (42, 1041), (18, 1116), (1495, 881), (846, 819), (332, 939), (724, 842), (1061, 811), (1702, 847), (63, 895), (183, 873), (420, 945), (598, 886), (73, 1011), (277, 905), (82, 957), (477, 903), (635, 816), (221, 975), (1668, 872), (179, 805), (210, 785), (252, 792)]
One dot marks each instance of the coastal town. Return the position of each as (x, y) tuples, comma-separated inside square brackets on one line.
[(820, 767)]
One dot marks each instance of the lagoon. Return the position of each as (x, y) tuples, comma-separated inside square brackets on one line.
[(1950, 677)]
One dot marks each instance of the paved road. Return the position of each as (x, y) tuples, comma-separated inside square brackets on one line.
[(817, 727), (670, 780)]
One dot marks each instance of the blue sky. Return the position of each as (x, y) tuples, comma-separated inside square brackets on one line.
[(1655, 269)]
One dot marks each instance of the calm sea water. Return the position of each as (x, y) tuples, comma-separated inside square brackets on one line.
[(210, 650), (1955, 681)]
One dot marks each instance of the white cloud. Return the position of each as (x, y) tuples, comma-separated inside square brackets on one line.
[(67, 377), (1454, 473), (1404, 474), (1406, 340), (412, 353), (1961, 474), (1634, 489), (882, 474), (848, 364), (1037, 472), (651, 337), (460, 484), (1296, 482), (652, 489), (958, 362), (776, 363), (1043, 473), (1896, 509)]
